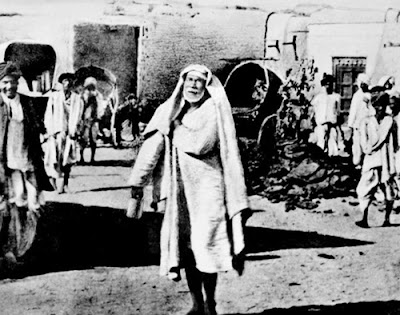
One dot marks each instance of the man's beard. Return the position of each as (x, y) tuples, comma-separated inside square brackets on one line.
[(193, 98)]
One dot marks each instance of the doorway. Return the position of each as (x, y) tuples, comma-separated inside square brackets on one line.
[(346, 70)]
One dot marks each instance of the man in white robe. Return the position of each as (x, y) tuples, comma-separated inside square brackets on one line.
[(93, 110), (326, 106), (191, 153), (360, 108), (378, 169), (62, 116)]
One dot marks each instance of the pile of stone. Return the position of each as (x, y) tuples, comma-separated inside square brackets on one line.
[(299, 174)]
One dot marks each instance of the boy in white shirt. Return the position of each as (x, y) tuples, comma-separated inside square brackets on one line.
[(378, 169), (326, 107)]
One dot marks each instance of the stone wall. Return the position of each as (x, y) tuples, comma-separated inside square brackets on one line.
[(159, 39), (113, 47), (216, 38), (389, 53), (350, 40), (171, 37)]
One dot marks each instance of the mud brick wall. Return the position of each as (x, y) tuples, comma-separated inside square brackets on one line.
[(209, 36), (113, 47), (170, 38)]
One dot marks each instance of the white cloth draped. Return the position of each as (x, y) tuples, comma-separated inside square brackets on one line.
[(326, 110), (199, 176), (61, 120)]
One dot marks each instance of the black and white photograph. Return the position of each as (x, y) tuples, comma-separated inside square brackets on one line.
[(199, 157)]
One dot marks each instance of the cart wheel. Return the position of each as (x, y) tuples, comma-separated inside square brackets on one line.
[(266, 142)]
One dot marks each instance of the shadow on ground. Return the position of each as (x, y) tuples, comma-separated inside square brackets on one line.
[(376, 308), (72, 236), (108, 163), (103, 189), (260, 240)]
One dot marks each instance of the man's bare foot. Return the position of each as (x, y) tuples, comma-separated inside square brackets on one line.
[(362, 224), (209, 308)]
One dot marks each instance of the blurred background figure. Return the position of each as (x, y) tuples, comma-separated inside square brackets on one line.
[(360, 107), (394, 104), (326, 107), (127, 119), (61, 119), (89, 125)]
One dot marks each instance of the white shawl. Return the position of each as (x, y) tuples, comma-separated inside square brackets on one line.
[(164, 178)]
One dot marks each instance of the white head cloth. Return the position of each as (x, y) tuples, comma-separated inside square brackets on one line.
[(386, 78), (363, 78), (236, 192)]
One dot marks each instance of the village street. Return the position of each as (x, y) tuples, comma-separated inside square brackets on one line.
[(89, 258)]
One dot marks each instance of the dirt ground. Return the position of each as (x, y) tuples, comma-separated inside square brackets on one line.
[(89, 258)]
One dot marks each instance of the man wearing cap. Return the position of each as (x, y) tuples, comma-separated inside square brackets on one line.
[(63, 113), (360, 107), (22, 174), (93, 110), (326, 107)]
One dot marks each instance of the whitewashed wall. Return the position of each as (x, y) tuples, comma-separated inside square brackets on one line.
[(344, 40)]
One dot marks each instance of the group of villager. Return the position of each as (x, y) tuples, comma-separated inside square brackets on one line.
[(190, 158), (189, 155), (71, 124), (373, 122), (36, 155)]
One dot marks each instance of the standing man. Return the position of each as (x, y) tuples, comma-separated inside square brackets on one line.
[(394, 105), (22, 174), (326, 107), (63, 113), (129, 112), (378, 169), (360, 108), (191, 153), (92, 112)]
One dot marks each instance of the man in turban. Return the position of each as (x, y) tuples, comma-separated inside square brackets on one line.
[(22, 174), (63, 113), (378, 168), (360, 107), (387, 82), (191, 154)]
